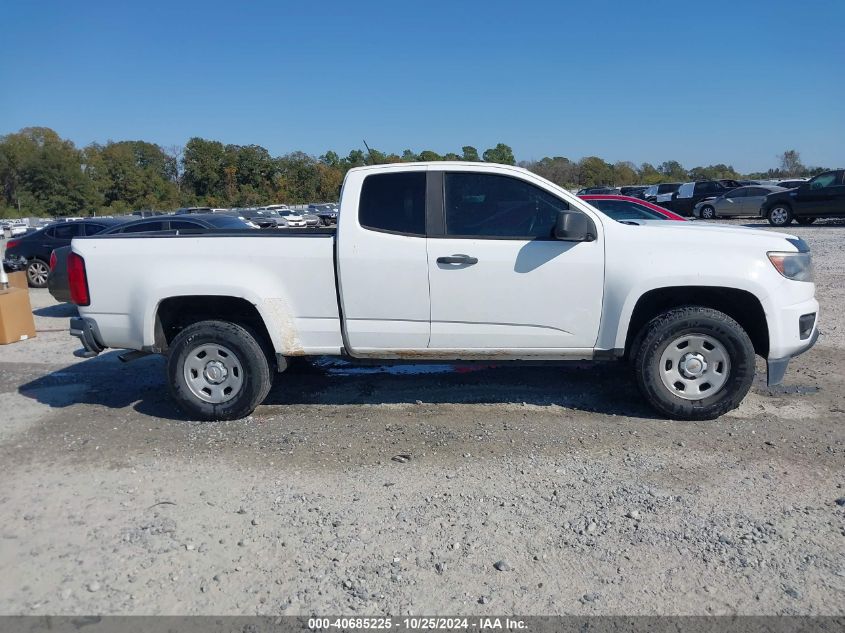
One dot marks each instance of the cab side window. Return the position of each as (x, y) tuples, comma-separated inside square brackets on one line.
[(489, 205), (394, 203)]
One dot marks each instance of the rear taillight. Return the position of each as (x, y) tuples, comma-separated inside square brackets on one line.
[(77, 280), (12, 244), (53, 260)]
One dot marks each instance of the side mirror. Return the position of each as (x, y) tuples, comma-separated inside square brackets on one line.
[(574, 226)]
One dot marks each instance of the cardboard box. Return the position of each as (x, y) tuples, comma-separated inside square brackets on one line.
[(18, 280), (16, 321)]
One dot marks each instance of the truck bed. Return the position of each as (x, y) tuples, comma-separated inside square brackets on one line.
[(288, 274)]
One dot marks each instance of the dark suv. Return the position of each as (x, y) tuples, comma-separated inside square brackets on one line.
[(820, 197), (35, 248)]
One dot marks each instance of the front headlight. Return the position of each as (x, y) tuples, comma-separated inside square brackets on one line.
[(795, 266)]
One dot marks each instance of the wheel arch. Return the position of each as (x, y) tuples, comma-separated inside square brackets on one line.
[(175, 313), (741, 305)]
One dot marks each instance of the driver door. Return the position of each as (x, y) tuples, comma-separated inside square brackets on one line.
[(499, 281)]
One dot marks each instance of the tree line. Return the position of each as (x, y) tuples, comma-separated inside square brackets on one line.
[(44, 174)]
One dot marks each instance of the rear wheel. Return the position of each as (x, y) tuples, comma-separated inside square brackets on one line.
[(708, 212), (36, 273), (694, 363), (805, 221), (218, 370), (779, 215)]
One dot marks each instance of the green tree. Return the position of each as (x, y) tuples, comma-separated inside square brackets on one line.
[(594, 172), (501, 154), (558, 169), (649, 174), (204, 164), (469, 153), (672, 170), (42, 173), (625, 173)]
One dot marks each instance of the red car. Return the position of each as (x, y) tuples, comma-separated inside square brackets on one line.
[(627, 208)]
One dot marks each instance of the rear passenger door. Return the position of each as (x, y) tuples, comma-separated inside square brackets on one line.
[(734, 202), (756, 197), (383, 265)]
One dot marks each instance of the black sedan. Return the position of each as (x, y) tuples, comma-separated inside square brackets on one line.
[(57, 278), (33, 249)]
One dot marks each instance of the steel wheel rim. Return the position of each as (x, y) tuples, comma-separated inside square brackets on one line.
[(213, 373), (38, 272), (694, 366), (779, 215)]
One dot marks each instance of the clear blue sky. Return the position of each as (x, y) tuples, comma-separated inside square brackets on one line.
[(699, 82)]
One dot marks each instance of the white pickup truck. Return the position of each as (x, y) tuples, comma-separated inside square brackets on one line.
[(453, 261)]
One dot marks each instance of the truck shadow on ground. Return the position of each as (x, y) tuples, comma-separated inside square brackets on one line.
[(606, 388), (58, 310)]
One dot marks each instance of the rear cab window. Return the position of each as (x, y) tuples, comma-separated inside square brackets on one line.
[(394, 203)]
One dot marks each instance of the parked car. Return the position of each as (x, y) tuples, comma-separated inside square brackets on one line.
[(297, 219), (57, 279), (264, 218), (822, 196), (791, 183), (729, 183), (190, 210), (596, 190), (691, 193), (661, 193), (13, 265), (35, 248), (15, 227), (734, 203), (326, 212), (454, 261), (745, 183), (626, 208), (634, 191)]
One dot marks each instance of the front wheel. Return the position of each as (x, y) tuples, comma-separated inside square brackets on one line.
[(779, 215), (708, 213), (694, 363), (218, 371)]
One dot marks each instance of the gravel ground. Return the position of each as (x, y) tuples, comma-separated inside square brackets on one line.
[(472, 490)]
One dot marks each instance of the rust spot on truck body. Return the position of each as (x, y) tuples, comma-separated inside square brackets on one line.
[(281, 325)]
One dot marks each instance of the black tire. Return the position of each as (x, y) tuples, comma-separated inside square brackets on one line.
[(805, 221), (253, 365), (779, 215), (673, 325), (37, 271), (708, 213)]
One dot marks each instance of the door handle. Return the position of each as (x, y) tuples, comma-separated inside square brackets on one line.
[(458, 259)]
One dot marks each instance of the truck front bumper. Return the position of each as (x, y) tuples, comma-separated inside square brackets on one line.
[(86, 331), (776, 367)]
